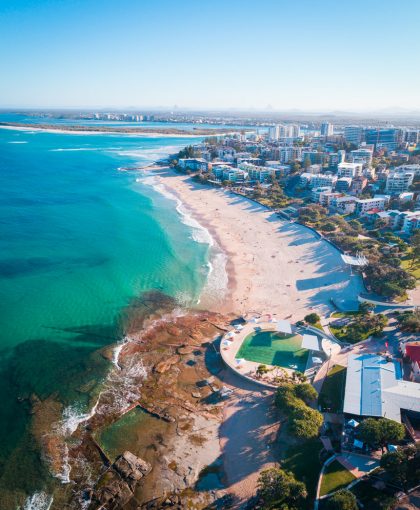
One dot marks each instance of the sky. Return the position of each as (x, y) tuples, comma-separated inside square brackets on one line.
[(311, 55)]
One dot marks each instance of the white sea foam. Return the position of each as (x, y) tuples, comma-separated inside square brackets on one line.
[(217, 278), (38, 501), (117, 351), (73, 417), (21, 141), (77, 149)]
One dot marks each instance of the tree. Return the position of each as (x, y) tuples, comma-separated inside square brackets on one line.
[(305, 422), (403, 465), (410, 321), (380, 432), (262, 370), (312, 318), (306, 392), (342, 500), (415, 243), (279, 488), (366, 307)]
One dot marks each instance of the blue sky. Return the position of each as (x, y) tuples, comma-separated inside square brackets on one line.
[(305, 54)]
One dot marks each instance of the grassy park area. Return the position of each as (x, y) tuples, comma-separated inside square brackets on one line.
[(335, 477)]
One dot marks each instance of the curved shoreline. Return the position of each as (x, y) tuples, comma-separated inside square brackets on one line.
[(272, 264), (86, 130)]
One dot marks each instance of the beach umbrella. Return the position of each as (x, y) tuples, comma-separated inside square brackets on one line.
[(231, 334), (226, 342), (358, 444), (353, 423), (238, 361)]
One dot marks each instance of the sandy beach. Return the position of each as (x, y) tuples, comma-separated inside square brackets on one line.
[(273, 265)]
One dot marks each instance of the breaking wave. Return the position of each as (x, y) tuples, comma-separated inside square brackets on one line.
[(38, 501), (217, 278)]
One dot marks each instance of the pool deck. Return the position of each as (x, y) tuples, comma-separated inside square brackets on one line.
[(247, 369)]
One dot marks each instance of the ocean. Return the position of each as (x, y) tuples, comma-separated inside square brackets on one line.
[(83, 233)]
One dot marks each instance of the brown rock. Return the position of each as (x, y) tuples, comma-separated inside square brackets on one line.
[(185, 349), (165, 365), (131, 468), (116, 486)]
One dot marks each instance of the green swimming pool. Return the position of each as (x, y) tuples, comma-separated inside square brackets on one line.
[(272, 348)]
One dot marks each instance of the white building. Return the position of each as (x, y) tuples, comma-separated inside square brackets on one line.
[(361, 155), (317, 193), (327, 129), (343, 204), (368, 204), (375, 387), (408, 168), (398, 182), (274, 133), (256, 172), (349, 169), (287, 154), (319, 180), (411, 222)]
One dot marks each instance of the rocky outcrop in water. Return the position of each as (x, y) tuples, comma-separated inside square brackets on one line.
[(116, 486)]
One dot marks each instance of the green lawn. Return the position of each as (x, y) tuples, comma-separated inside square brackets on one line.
[(271, 348), (335, 477), (303, 460), (332, 391), (414, 271)]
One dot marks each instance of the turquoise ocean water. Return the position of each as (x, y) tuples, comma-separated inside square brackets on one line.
[(79, 240)]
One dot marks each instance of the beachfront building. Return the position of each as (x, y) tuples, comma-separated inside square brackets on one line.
[(317, 193), (321, 180), (349, 169), (279, 169), (194, 164), (398, 182), (343, 204), (375, 387), (256, 172), (369, 204)]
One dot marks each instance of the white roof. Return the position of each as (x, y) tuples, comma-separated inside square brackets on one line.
[(310, 342), (374, 387), (283, 326)]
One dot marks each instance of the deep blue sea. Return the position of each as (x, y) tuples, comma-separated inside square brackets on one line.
[(81, 237)]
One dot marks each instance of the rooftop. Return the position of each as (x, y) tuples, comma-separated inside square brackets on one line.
[(374, 387)]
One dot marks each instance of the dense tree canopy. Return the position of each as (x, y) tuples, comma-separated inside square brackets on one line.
[(304, 422), (280, 489), (342, 500), (379, 433)]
